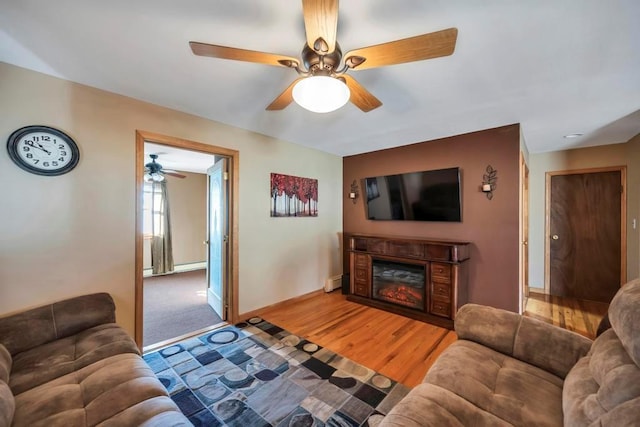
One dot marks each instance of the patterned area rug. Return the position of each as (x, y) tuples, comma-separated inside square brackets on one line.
[(257, 374)]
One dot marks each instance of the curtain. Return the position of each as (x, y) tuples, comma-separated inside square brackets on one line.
[(161, 246)]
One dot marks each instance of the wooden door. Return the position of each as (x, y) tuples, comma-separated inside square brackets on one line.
[(585, 234), (217, 237)]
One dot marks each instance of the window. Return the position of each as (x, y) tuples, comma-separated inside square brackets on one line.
[(151, 208)]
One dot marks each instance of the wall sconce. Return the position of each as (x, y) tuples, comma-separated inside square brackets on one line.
[(489, 181), (353, 194)]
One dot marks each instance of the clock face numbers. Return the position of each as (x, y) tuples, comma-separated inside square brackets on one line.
[(44, 151)]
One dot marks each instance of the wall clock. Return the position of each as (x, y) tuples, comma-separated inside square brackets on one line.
[(43, 150)]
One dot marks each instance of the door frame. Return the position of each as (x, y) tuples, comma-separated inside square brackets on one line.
[(234, 176), (524, 232), (623, 219)]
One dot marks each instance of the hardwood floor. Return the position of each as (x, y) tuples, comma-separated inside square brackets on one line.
[(579, 316), (401, 348)]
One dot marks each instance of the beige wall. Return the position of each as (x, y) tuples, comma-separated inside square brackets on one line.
[(188, 204), (73, 234), (633, 212), (492, 226), (584, 158)]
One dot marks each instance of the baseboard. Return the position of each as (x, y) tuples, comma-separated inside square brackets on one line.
[(256, 313), (181, 268), (154, 347)]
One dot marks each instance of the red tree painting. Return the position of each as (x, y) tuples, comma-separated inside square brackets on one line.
[(293, 195)]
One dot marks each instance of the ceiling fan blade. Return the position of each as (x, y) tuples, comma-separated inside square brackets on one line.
[(321, 24), (418, 48), (175, 174), (284, 99), (360, 97), (224, 52)]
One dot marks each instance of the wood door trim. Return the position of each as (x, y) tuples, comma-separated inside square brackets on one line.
[(524, 233), (234, 179), (623, 218)]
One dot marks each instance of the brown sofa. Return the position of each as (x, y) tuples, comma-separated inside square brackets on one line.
[(510, 370), (69, 364)]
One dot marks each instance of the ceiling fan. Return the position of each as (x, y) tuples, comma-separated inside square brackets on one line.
[(153, 171), (322, 57)]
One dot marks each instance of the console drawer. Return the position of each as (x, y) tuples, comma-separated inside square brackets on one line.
[(440, 272), (361, 289), (376, 246), (361, 260), (361, 274), (441, 291), (405, 249), (440, 308)]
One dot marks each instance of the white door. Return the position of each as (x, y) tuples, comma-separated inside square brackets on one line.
[(217, 237)]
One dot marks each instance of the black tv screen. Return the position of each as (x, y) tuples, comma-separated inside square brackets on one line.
[(416, 196)]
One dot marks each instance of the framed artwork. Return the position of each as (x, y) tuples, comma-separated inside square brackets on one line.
[(293, 196)]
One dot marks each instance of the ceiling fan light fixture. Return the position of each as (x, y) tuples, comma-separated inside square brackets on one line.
[(321, 94), (155, 176)]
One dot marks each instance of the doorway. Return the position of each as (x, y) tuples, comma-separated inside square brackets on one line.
[(585, 247), (220, 272)]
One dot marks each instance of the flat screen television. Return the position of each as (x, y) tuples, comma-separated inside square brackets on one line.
[(416, 196)]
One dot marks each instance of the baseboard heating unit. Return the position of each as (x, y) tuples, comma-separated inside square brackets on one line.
[(333, 283)]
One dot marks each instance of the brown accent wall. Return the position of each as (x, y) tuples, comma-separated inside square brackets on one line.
[(490, 225)]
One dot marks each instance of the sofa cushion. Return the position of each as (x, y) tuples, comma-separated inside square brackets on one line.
[(603, 388), (32, 328), (7, 405), (5, 364), (54, 359), (119, 390), (543, 345), (553, 349), (433, 406), (624, 315), (507, 388)]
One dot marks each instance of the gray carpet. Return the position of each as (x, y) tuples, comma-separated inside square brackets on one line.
[(174, 305)]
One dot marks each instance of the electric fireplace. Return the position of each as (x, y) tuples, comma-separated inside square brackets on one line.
[(399, 283)]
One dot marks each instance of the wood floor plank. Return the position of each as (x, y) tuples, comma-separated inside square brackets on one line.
[(579, 316), (401, 348)]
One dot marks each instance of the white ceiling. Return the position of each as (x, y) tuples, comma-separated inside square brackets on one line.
[(173, 158), (555, 67)]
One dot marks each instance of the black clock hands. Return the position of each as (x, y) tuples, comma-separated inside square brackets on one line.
[(39, 147)]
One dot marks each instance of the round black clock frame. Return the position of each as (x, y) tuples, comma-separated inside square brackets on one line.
[(20, 134)]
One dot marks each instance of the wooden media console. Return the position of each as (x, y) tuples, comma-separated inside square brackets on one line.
[(424, 279)]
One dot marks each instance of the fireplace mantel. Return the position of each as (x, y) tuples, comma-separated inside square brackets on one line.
[(445, 274)]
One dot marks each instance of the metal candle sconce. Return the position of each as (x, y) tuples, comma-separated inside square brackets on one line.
[(353, 194), (489, 181)]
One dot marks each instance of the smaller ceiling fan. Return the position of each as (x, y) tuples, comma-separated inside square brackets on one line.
[(153, 171), (323, 84)]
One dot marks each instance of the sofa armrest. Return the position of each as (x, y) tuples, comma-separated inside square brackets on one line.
[(548, 347), (25, 330)]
